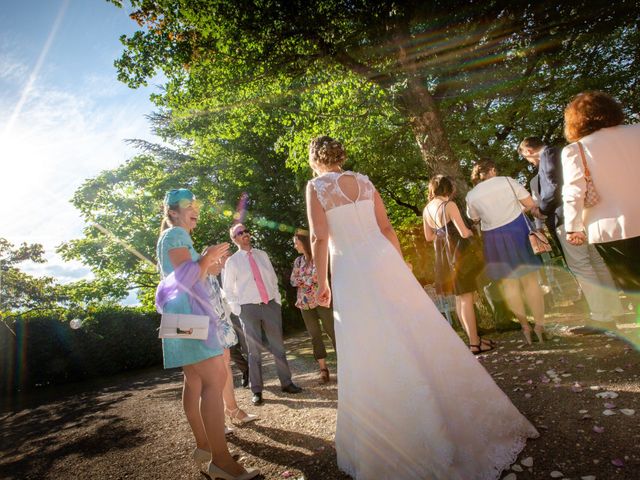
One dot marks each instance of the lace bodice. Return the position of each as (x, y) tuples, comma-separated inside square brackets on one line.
[(331, 195)]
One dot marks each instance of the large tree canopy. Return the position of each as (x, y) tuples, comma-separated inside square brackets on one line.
[(440, 64), (405, 85)]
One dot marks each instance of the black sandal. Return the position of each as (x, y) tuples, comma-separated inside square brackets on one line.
[(478, 348), (488, 341)]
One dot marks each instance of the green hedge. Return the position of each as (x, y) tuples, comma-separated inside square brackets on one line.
[(46, 350)]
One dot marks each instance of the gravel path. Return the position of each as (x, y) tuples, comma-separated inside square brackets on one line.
[(132, 426)]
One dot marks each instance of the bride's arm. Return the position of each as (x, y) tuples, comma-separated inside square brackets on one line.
[(383, 222), (319, 234)]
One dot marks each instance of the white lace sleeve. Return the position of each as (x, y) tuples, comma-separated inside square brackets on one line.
[(366, 187), (320, 187)]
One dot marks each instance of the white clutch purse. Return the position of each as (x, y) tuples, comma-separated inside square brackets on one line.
[(183, 325)]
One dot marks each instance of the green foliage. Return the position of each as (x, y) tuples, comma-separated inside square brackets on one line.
[(466, 78), (18, 290), (400, 83), (46, 350)]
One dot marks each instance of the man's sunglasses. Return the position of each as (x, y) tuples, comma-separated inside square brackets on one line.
[(240, 232)]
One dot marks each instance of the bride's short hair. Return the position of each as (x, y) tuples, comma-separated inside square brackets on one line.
[(325, 150)]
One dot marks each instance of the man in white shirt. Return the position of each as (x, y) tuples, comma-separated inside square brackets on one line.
[(251, 287)]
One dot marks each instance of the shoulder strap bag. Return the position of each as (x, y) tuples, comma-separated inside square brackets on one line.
[(539, 242), (591, 196)]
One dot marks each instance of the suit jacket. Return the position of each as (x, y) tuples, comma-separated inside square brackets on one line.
[(613, 157), (550, 181)]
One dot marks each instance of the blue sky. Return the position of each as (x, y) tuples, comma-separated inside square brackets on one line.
[(63, 116)]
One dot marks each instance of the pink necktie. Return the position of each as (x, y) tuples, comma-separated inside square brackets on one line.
[(264, 296)]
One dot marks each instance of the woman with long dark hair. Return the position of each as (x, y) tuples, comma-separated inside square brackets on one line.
[(305, 278)]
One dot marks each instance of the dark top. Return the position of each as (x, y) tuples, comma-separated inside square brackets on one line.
[(457, 263), (550, 186)]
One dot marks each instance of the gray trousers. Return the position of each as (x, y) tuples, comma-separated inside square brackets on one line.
[(312, 318), (255, 318), (594, 277)]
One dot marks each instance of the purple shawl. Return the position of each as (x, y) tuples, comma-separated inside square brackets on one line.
[(186, 279)]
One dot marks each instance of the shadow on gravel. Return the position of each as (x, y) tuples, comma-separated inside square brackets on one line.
[(31, 423)]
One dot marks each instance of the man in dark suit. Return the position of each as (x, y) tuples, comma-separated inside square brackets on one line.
[(584, 261), (548, 187)]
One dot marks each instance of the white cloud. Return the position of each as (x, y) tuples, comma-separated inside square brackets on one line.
[(10, 68), (59, 139)]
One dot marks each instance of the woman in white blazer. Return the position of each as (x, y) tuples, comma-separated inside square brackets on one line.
[(611, 154)]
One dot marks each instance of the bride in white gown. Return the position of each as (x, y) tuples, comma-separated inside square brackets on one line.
[(413, 402)]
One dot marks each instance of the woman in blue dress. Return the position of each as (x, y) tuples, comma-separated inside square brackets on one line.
[(201, 361)]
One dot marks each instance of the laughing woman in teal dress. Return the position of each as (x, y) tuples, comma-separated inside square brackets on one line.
[(201, 362)]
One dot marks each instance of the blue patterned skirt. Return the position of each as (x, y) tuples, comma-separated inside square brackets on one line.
[(507, 251)]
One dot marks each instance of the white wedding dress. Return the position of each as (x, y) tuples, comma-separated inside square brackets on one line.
[(413, 401)]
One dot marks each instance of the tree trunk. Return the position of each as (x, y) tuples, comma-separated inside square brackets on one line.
[(426, 122)]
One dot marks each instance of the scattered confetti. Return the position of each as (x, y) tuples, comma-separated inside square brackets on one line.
[(609, 395), (618, 462)]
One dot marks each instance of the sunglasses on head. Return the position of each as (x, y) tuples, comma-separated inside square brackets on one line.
[(196, 204), (240, 232)]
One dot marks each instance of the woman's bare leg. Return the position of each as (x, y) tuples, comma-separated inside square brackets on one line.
[(467, 316), (213, 375), (511, 293), (191, 391)]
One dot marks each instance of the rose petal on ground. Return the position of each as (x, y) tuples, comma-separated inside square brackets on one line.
[(576, 388), (544, 379), (608, 394), (527, 462), (598, 429), (627, 411), (609, 405), (511, 476), (527, 395), (588, 477), (286, 474), (618, 462), (594, 387), (579, 365), (600, 371), (619, 370), (583, 411), (516, 468), (608, 413), (551, 373), (556, 474)]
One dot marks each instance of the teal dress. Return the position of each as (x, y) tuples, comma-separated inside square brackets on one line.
[(178, 352)]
